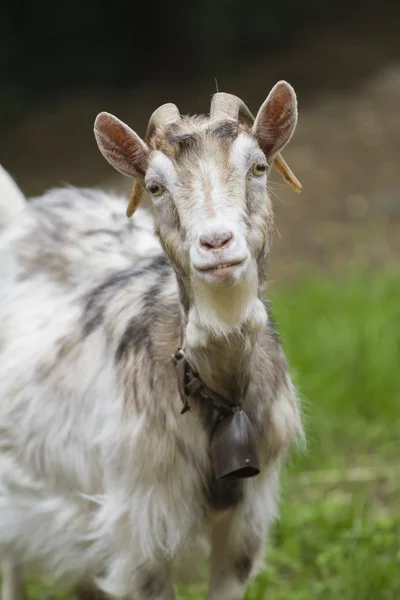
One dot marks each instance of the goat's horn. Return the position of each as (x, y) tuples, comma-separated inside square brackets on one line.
[(164, 115), (230, 106), (134, 199), (286, 173)]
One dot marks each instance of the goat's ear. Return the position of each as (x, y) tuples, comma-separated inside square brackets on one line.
[(121, 146), (276, 120)]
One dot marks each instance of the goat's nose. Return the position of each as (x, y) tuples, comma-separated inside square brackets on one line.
[(214, 240)]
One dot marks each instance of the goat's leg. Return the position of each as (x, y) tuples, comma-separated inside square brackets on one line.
[(88, 592), (154, 584), (236, 550), (12, 587), (149, 580)]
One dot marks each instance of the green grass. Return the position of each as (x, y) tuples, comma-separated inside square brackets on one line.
[(342, 339), (339, 532)]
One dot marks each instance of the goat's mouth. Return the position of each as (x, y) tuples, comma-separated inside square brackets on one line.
[(221, 272)]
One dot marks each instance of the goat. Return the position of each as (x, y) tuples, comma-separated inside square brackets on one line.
[(104, 484)]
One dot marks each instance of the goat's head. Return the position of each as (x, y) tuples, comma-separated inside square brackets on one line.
[(207, 179)]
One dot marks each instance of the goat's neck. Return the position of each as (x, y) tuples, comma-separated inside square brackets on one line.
[(225, 365), (223, 362)]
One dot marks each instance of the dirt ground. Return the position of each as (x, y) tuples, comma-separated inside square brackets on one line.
[(346, 149)]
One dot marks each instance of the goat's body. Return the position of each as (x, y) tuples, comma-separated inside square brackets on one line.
[(100, 474), (12, 202)]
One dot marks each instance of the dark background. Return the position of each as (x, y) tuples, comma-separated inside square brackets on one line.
[(48, 49), (61, 64)]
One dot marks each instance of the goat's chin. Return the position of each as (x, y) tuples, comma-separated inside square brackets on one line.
[(221, 310)]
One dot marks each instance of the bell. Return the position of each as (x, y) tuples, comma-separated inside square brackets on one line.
[(234, 451)]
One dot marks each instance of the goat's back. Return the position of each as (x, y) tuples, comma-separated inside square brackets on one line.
[(75, 277), (74, 236)]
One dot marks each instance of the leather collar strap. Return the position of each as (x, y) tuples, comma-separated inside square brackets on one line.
[(233, 445), (191, 385)]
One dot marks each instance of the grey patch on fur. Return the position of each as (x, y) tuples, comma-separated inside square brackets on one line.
[(227, 130), (137, 334), (104, 231), (98, 298)]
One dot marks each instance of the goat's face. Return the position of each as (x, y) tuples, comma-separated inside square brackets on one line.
[(208, 184), (208, 181)]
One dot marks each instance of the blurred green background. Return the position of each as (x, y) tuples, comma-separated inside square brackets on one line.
[(334, 268)]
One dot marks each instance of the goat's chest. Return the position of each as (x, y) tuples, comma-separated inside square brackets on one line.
[(213, 493), (222, 494)]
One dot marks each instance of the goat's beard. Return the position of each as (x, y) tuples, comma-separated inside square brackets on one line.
[(219, 312)]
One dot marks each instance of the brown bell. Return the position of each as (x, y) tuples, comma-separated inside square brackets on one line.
[(234, 451)]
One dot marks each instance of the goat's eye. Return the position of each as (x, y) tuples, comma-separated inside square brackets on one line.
[(258, 169), (156, 189)]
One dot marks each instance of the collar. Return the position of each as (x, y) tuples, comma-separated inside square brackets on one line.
[(191, 385), (233, 445)]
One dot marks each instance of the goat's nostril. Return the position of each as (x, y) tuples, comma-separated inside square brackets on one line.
[(215, 241)]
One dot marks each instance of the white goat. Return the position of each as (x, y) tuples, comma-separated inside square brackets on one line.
[(104, 484)]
